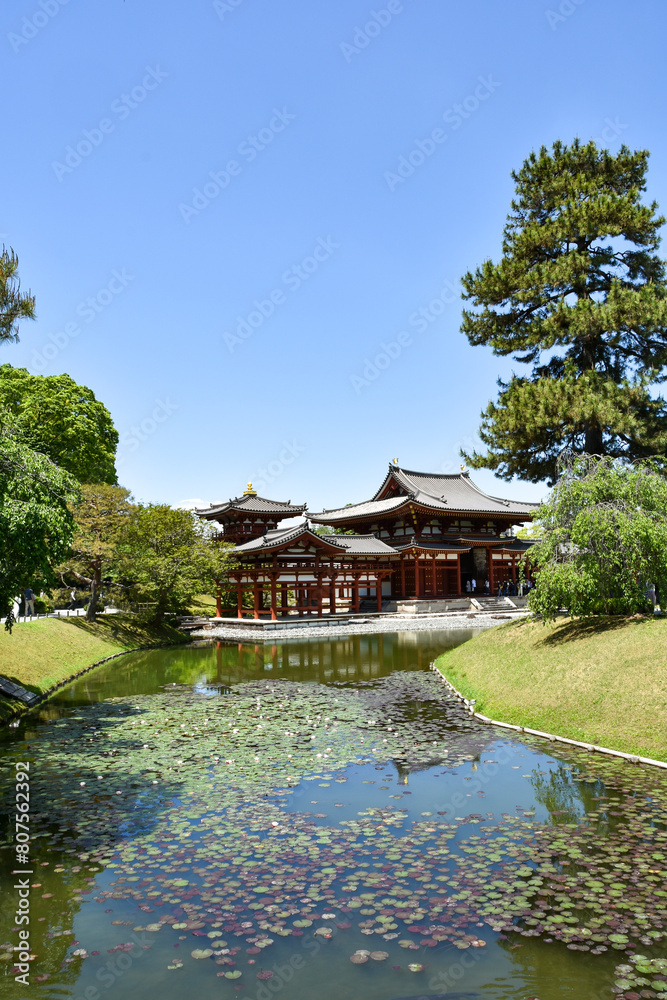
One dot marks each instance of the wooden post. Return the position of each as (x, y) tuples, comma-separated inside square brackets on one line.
[(435, 576), (332, 595), (256, 590), (378, 588), (458, 567), (239, 598), (218, 599), (355, 594), (403, 594), (417, 581), (274, 598)]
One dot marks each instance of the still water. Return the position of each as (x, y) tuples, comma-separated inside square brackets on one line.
[(320, 820)]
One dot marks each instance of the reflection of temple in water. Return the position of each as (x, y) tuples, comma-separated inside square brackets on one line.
[(346, 658)]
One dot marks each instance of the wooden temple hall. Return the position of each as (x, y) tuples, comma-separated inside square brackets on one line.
[(421, 536)]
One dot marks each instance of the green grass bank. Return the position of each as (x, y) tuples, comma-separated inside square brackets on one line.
[(42, 654), (599, 680)]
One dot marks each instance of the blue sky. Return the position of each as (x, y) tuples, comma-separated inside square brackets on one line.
[(206, 200)]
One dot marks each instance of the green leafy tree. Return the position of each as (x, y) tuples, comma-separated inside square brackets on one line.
[(604, 539), (100, 517), (580, 295), (14, 305), (171, 557), (36, 522), (63, 420)]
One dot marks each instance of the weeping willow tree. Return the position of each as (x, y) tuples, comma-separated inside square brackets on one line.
[(603, 546)]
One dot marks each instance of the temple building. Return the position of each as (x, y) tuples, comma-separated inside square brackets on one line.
[(421, 536)]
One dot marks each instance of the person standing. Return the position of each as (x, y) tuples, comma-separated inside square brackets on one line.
[(474, 585), (487, 587), (72, 600), (29, 601)]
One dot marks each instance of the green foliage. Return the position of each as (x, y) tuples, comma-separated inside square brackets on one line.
[(171, 557), (36, 523), (63, 420), (604, 539), (580, 294), (100, 517), (14, 305)]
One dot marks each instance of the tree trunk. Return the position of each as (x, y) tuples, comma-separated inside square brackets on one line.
[(593, 440), (94, 590), (160, 611)]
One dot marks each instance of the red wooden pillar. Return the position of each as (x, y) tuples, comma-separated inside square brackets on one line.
[(355, 594), (332, 595), (514, 568), (274, 598), (283, 598), (458, 567), (403, 594), (318, 595), (239, 598), (257, 587), (435, 575), (218, 600), (378, 588), (417, 580)]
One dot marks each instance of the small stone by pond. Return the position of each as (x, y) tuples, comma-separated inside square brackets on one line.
[(356, 837)]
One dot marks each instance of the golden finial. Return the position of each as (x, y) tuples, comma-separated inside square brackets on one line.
[(250, 492), (463, 468), (395, 461)]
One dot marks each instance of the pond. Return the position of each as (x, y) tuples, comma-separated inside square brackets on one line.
[(320, 819)]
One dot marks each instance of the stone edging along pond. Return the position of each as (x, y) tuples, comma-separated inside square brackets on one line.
[(591, 747)]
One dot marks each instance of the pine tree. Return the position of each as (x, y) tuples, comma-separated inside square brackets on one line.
[(14, 305), (580, 294)]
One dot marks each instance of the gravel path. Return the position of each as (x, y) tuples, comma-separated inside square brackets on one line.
[(411, 623)]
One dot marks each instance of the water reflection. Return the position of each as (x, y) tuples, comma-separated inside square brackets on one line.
[(345, 658)]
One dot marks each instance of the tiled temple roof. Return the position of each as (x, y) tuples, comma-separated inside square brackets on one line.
[(357, 545), (445, 545), (455, 494), (364, 545), (252, 504), (282, 536)]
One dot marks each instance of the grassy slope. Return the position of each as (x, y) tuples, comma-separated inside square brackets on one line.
[(43, 653), (602, 681)]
